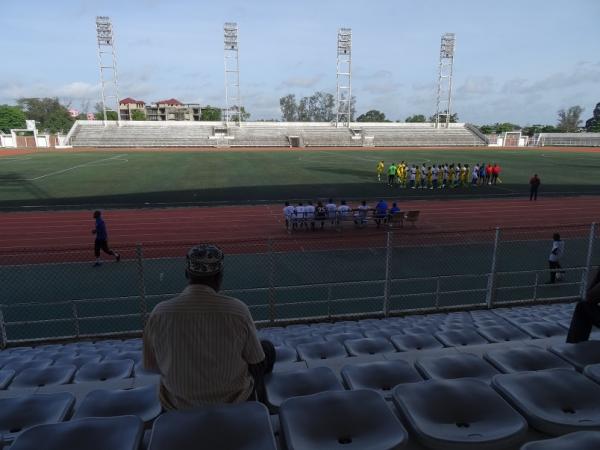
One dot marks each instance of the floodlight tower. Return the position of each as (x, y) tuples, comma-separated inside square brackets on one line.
[(444, 91), (232, 74), (344, 77), (107, 60)]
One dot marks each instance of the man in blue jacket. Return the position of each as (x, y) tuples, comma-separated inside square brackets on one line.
[(101, 242)]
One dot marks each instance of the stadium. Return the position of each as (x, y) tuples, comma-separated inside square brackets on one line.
[(437, 326)]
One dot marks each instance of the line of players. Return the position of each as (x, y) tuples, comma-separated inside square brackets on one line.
[(439, 176)]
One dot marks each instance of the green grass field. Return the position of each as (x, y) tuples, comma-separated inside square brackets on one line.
[(135, 178)]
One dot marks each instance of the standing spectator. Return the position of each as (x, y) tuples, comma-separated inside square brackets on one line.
[(204, 344), (331, 208), (381, 210), (488, 174), (391, 174), (558, 249), (495, 173), (289, 213), (534, 184), (586, 314), (101, 241)]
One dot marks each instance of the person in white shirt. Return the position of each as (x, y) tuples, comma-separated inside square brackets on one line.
[(343, 211), (558, 249), (360, 217), (289, 215), (413, 176), (331, 208), (475, 175), (309, 213), (434, 177), (300, 215), (446, 172)]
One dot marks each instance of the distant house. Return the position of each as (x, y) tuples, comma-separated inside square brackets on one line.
[(162, 110)]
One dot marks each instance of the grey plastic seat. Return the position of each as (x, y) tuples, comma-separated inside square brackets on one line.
[(342, 337), (114, 433), (283, 385), (410, 342), (243, 426), (385, 333), (381, 376), (6, 376), (369, 346), (580, 440), (523, 359), (593, 372), (455, 365), (78, 361), (19, 364), (104, 371), (341, 420), (421, 329), (555, 402), (540, 330), (20, 413), (135, 356), (295, 341), (285, 354), (321, 350), (579, 355), (502, 333), (461, 338), (141, 402), (458, 415), (48, 376)]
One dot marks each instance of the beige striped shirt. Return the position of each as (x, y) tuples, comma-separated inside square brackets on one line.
[(201, 342)]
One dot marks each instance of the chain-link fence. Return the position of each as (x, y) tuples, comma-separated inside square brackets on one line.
[(305, 276)]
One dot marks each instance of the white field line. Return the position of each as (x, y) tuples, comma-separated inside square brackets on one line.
[(78, 166)]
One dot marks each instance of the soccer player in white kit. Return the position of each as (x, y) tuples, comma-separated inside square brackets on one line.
[(289, 213)]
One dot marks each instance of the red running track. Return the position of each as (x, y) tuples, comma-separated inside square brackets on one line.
[(72, 229)]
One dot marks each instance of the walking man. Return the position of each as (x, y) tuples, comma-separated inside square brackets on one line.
[(534, 184), (101, 242), (558, 249)]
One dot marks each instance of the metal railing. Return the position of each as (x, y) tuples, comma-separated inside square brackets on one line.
[(58, 295)]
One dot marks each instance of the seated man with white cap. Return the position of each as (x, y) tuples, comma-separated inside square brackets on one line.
[(204, 344)]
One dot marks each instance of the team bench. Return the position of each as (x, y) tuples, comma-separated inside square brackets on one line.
[(357, 218)]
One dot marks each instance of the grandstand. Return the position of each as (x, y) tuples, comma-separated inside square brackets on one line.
[(270, 134), (567, 139)]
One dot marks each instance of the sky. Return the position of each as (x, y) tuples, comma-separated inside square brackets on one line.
[(516, 61)]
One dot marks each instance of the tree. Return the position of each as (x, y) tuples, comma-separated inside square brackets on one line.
[(138, 114), (453, 117), (371, 116), (593, 125), (319, 107), (569, 120), (210, 113), (417, 118), (48, 113), (289, 108), (99, 114), (11, 117), (487, 129)]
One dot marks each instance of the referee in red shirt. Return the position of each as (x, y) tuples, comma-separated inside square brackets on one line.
[(534, 184)]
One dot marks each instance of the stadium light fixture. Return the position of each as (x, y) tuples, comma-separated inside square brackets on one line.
[(107, 63), (444, 88), (233, 103), (344, 78)]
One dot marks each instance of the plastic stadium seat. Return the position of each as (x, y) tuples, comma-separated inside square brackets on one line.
[(285, 354), (381, 376), (283, 385), (20, 413), (114, 433), (341, 420), (135, 356), (18, 364), (502, 333), (48, 376), (78, 361), (321, 350), (593, 372), (421, 329), (580, 355), (6, 376), (555, 402), (369, 346), (456, 365), (580, 440), (140, 371), (385, 333), (524, 359), (410, 342), (104, 371), (460, 338), (459, 414), (141, 402), (295, 341), (342, 337), (244, 426), (540, 330)]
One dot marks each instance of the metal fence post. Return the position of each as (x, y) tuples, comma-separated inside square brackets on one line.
[(491, 285), (272, 312), (388, 269), (437, 292), (75, 318), (3, 337), (139, 258), (588, 261)]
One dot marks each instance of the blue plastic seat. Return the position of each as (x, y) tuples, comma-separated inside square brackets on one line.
[(104, 371), (19, 364), (77, 361), (458, 338), (135, 356), (580, 440), (523, 359), (114, 433), (410, 342), (48, 376), (285, 354), (455, 365), (368, 346), (341, 420), (342, 337), (502, 333), (579, 355), (542, 329), (6, 376), (321, 350), (381, 376), (243, 426)]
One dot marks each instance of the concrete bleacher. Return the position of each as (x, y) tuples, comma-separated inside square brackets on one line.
[(268, 134), (476, 356)]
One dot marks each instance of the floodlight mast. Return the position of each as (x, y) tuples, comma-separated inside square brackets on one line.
[(344, 77), (107, 62), (233, 104), (444, 91)]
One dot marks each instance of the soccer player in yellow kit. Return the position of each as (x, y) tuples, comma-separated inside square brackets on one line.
[(380, 169), (429, 185)]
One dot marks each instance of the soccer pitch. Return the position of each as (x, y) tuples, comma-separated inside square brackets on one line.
[(161, 178)]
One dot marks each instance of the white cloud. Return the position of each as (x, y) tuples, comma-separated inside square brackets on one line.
[(476, 86), (301, 82)]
